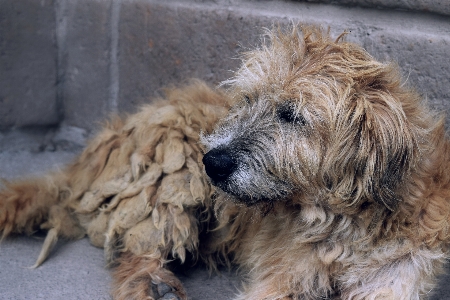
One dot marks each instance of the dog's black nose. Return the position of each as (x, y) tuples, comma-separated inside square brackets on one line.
[(219, 164)]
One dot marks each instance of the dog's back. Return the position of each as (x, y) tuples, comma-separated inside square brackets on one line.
[(136, 188)]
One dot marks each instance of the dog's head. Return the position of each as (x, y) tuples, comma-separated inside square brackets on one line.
[(314, 118)]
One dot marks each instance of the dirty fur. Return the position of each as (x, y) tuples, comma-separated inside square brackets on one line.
[(323, 175)]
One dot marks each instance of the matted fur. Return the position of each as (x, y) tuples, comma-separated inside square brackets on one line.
[(137, 190), (331, 181)]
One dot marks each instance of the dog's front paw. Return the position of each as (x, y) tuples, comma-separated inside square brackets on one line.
[(163, 291), (149, 287), (142, 277)]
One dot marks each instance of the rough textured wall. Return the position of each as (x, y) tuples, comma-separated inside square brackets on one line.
[(28, 64), (76, 61), (434, 6)]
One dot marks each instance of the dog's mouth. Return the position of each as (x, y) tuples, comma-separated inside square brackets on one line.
[(237, 180)]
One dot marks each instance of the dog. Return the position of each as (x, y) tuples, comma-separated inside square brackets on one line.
[(316, 171)]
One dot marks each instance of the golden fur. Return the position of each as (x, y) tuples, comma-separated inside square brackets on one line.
[(330, 180)]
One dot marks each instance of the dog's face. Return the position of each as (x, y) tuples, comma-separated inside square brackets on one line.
[(251, 150), (312, 119)]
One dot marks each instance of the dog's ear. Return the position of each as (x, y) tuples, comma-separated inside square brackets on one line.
[(386, 138), (374, 146)]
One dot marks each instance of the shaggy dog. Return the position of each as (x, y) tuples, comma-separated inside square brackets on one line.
[(327, 178)]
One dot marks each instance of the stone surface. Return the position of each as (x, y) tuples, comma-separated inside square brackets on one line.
[(78, 61), (28, 57), (85, 40), (439, 6), (164, 42), (74, 271)]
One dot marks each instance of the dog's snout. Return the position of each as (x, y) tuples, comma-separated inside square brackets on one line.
[(219, 164)]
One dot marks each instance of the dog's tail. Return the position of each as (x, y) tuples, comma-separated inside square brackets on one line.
[(25, 205)]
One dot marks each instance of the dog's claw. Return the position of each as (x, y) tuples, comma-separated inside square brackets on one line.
[(169, 296), (164, 291), (163, 288)]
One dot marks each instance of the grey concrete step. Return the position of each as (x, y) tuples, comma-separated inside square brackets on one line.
[(439, 7), (77, 61)]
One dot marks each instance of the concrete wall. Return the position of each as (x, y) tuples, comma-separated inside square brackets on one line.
[(434, 6), (28, 64), (75, 61)]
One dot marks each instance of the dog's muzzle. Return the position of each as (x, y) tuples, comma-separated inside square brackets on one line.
[(219, 165)]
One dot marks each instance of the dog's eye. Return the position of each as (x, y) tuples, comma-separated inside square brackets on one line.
[(287, 113), (244, 101)]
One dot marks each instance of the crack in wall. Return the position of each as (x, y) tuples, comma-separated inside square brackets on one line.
[(114, 83), (61, 59)]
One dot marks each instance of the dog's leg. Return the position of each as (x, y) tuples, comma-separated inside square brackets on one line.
[(144, 277), (311, 281), (278, 286), (140, 270), (392, 273)]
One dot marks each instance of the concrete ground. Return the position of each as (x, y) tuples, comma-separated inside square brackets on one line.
[(75, 269)]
